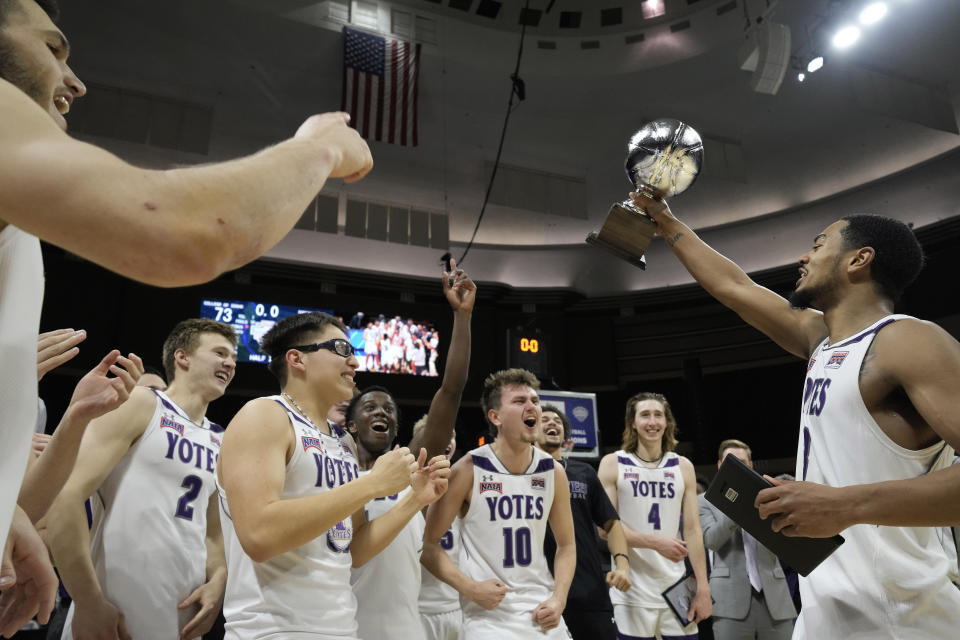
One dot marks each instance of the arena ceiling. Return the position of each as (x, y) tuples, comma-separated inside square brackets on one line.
[(882, 115)]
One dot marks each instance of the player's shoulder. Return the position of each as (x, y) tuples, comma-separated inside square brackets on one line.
[(910, 339), (260, 414)]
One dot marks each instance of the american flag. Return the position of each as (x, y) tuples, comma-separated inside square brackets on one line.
[(380, 81)]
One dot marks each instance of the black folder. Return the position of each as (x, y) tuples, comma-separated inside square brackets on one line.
[(733, 492)]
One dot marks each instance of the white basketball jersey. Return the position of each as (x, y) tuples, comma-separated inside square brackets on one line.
[(502, 534), (884, 582), (304, 592), (436, 596), (147, 542), (650, 500), (388, 584), (21, 297)]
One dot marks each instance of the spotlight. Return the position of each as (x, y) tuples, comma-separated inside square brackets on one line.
[(815, 65), (801, 76), (873, 12), (845, 37)]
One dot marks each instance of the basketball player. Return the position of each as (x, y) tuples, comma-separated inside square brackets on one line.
[(152, 564), (588, 613), (168, 228), (655, 490), (388, 587), (439, 603), (879, 421), (291, 499), (505, 493)]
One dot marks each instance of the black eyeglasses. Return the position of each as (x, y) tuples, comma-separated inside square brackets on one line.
[(339, 346)]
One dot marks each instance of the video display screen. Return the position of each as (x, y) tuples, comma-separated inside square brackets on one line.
[(250, 320), (383, 343)]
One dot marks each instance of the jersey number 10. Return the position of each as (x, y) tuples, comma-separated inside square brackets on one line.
[(518, 540)]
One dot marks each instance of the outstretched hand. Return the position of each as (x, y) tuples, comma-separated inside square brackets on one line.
[(429, 481), (458, 288), (56, 347), (97, 394)]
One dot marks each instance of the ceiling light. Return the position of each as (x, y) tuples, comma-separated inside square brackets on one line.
[(845, 37), (801, 76), (815, 64), (873, 12)]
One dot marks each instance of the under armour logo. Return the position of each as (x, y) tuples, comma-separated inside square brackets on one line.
[(486, 478)]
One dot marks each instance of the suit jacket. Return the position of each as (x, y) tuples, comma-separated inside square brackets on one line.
[(729, 582)]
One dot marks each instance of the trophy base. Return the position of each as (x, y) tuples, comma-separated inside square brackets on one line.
[(626, 233)]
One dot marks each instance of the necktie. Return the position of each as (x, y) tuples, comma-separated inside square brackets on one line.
[(750, 553)]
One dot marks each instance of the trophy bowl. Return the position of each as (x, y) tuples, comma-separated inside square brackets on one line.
[(663, 159)]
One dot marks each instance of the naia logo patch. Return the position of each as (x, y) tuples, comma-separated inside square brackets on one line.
[(538, 483), (810, 364), (487, 484), (836, 359), (631, 475), (311, 442), (167, 423)]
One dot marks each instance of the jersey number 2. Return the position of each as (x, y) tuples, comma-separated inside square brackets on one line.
[(192, 484), (519, 540)]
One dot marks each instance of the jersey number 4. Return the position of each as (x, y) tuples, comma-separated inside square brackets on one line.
[(654, 516), (518, 540), (193, 485)]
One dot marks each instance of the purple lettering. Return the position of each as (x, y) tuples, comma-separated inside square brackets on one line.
[(492, 505), (171, 443), (331, 472), (185, 454), (505, 507), (539, 507)]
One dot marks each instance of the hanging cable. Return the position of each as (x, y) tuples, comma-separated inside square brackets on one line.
[(518, 90)]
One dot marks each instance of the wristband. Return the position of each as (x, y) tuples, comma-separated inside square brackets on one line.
[(620, 554)]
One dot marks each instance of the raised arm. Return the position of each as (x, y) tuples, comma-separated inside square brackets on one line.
[(797, 331), (442, 416), (924, 361), (95, 395), (104, 443), (259, 437), (440, 515), (548, 613), (701, 606), (166, 228)]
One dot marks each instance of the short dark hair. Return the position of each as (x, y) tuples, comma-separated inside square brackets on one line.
[(552, 408), (290, 332), (352, 407), (493, 388), (186, 336), (898, 256), (49, 7)]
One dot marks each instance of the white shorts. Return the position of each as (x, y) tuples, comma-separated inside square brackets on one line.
[(474, 629), (637, 623), (442, 626)]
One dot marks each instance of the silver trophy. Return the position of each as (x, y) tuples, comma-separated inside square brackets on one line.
[(663, 159)]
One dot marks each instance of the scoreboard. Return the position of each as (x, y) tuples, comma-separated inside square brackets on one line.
[(251, 320), (529, 349)]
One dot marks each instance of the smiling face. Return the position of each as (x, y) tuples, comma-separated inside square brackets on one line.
[(650, 422), (551, 435), (375, 420), (328, 375), (208, 368), (33, 57), (518, 417), (820, 270)]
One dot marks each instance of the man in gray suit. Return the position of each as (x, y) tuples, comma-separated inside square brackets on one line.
[(752, 599)]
